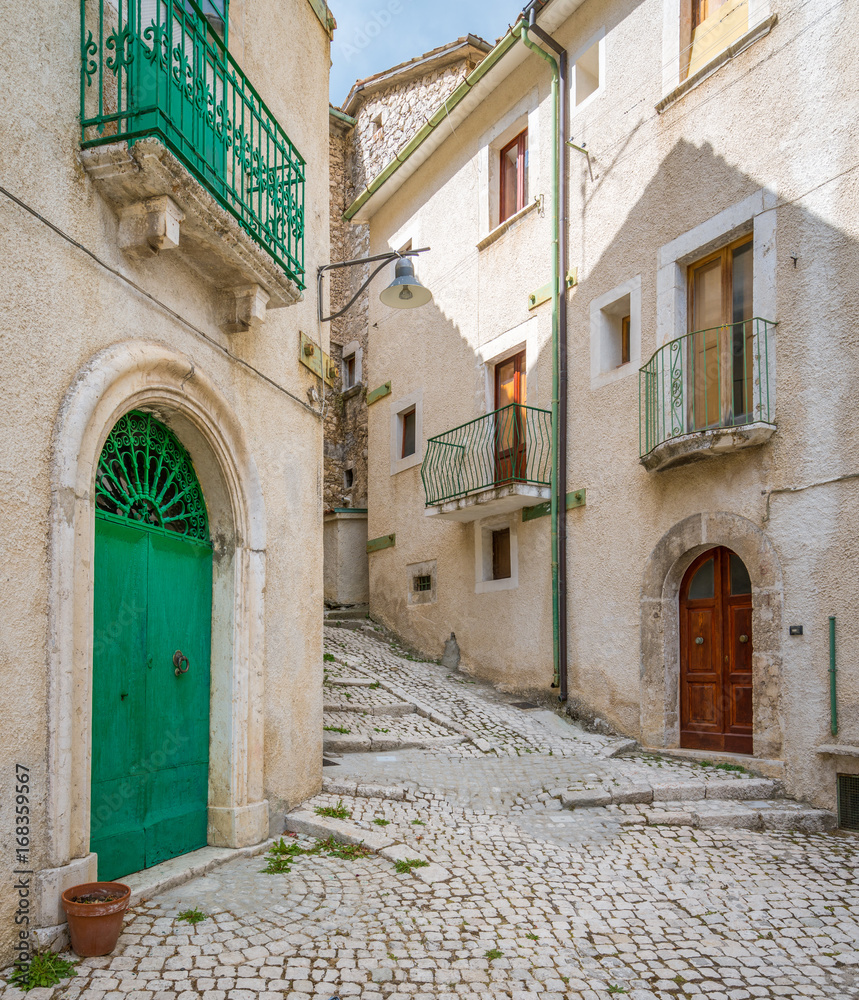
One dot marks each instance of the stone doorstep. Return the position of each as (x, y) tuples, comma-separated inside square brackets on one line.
[(322, 827), (737, 815), (767, 768)]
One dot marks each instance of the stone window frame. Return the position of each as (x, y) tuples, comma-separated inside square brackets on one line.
[(483, 553), (400, 407), (523, 115), (598, 38), (418, 598), (755, 214), (353, 349), (676, 15), (599, 322)]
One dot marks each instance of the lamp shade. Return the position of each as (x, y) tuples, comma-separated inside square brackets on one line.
[(405, 291)]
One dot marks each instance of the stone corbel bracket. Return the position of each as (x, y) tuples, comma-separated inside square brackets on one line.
[(190, 223)]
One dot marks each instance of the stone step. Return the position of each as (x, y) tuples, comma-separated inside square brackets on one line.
[(367, 744), (737, 789), (357, 611), (394, 711), (709, 814)]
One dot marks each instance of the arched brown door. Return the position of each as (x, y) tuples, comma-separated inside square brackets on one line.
[(716, 654)]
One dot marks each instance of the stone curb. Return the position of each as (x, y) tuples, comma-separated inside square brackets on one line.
[(743, 817), (364, 744), (367, 791), (323, 827), (393, 711), (737, 790)]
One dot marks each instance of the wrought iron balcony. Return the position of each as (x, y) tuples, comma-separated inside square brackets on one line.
[(706, 393), (157, 69), (499, 462)]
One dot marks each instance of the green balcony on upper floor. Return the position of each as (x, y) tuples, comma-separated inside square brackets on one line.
[(498, 463), (708, 393), (186, 152)]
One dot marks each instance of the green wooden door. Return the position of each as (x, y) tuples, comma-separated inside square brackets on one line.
[(153, 598)]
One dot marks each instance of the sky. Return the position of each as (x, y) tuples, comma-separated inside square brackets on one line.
[(373, 35)]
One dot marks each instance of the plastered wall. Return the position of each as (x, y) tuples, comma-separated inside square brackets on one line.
[(656, 176)]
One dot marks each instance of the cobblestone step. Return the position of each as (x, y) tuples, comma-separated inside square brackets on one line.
[(367, 744), (352, 611), (393, 710), (726, 789)]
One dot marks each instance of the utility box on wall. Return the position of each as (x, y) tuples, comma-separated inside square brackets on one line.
[(346, 571)]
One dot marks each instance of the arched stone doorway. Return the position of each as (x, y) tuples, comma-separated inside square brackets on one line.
[(150, 378), (662, 580), (716, 645)]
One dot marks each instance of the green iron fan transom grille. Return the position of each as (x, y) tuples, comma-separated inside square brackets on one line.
[(146, 475)]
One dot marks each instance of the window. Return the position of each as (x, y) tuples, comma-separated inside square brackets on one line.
[(616, 333), (711, 26), (720, 346), (407, 434), (587, 73), (348, 478), (501, 554), (422, 583), (514, 176), (349, 371), (496, 555)]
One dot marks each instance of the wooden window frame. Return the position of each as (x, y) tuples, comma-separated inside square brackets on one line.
[(412, 411), (625, 329), (726, 255), (521, 194)]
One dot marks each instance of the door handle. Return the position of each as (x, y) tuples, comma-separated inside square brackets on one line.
[(699, 641), (178, 659), (744, 638)]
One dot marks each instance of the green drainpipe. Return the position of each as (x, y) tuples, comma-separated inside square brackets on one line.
[(833, 694), (557, 507)]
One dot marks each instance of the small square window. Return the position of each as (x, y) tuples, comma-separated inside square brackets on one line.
[(587, 73), (616, 333), (501, 554), (422, 584), (348, 478), (408, 421)]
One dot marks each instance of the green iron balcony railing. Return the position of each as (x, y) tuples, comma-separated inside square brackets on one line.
[(510, 445), (715, 378), (158, 68)]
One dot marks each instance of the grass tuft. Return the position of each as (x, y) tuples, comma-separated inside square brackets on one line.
[(334, 812), (42, 970), (494, 953), (404, 867), (192, 916)]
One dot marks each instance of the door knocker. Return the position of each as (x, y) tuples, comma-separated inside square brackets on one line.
[(178, 659)]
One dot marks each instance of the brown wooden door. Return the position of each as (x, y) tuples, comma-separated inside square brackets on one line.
[(716, 654), (510, 388)]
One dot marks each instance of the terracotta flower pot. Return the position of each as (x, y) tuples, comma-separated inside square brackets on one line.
[(95, 927)]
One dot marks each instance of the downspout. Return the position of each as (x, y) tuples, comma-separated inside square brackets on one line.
[(559, 347), (833, 694)]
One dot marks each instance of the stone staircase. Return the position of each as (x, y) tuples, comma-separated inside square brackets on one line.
[(351, 616), (747, 803)]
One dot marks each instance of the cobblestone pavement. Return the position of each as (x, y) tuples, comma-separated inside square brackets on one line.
[(517, 896)]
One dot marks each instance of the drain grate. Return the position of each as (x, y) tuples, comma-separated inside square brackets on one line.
[(848, 801)]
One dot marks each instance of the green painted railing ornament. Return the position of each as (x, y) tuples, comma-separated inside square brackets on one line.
[(145, 474), (170, 76)]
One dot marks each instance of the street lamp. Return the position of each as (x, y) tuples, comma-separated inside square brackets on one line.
[(404, 292)]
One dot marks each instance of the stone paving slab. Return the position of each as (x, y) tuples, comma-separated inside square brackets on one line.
[(540, 901)]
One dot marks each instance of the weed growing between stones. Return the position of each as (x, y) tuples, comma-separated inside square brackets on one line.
[(192, 916), (42, 970), (494, 953), (334, 812), (281, 855), (337, 729), (614, 988), (381, 822), (328, 657), (405, 866)]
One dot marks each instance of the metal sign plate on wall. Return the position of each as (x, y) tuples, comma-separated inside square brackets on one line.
[(312, 356)]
